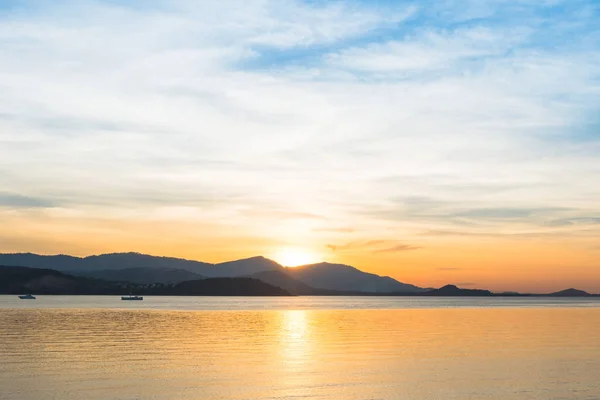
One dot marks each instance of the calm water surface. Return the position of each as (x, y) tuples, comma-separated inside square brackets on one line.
[(63, 347)]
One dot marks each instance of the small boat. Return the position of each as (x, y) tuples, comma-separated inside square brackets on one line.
[(130, 297), (27, 297)]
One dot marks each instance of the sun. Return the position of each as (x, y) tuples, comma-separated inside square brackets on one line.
[(293, 257)]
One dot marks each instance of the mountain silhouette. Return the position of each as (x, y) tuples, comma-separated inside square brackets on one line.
[(109, 272), (346, 278), (452, 290), (58, 262), (19, 280), (16, 280), (228, 287), (141, 275), (111, 261), (284, 281), (324, 276), (570, 293), (246, 266), (119, 261)]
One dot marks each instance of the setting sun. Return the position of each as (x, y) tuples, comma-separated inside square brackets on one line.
[(293, 257)]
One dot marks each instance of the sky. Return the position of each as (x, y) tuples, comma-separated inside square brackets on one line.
[(433, 141)]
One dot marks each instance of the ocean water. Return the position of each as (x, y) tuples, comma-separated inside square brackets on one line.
[(69, 347)]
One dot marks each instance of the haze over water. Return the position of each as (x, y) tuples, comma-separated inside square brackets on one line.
[(308, 347)]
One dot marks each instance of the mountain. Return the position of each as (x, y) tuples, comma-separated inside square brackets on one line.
[(141, 275), (227, 287), (247, 266), (452, 290), (137, 260), (19, 280), (121, 261), (286, 282), (346, 278), (58, 262), (125, 266), (103, 262), (570, 293)]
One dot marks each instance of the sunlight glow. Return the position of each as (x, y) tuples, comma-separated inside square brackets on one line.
[(293, 257)]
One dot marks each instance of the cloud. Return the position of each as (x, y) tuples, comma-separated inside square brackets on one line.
[(397, 248), (590, 220), (374, 246), (456, 217), (358, 245), (428, 51), (335, 230), (9, 200), (302, 24), (451, 118)]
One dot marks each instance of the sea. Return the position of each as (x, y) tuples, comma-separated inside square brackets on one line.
[(409, 348)]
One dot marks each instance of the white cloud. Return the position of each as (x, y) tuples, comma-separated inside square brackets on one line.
[(429, 50), (107, 108)]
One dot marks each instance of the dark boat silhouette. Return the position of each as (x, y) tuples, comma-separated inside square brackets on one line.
[(132, 298)]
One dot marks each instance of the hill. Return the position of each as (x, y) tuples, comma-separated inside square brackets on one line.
[(286, 282), (346, 278), (570, 293), (141, 275), (120, 261), (137, 260), (452, 290), (125, 266), (58, 262), (19, 280), (227, 287), (244, 267), (103, 262)]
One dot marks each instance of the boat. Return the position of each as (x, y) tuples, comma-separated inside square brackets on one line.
[(27, 297), (130, 297)]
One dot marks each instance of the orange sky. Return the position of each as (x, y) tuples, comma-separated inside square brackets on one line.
[(523, 263)]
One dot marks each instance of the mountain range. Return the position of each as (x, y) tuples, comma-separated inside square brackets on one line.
[(142, 268), (18, 280), (112, 273)]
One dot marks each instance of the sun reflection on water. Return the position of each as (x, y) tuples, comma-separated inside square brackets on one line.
[(295, 326), (295, 343)]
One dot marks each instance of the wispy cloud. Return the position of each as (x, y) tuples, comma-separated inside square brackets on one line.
[(429, 51), (335, 230), (374, 246), (10, 200), (357, 245), (452, 118), (397, 248)]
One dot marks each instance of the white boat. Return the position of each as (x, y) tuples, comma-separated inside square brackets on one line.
[(27, 297), (130, 297)]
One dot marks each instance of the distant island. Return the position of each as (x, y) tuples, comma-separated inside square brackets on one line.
[(119, 273)]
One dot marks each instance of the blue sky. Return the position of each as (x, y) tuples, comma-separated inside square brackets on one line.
[(319, 123)]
